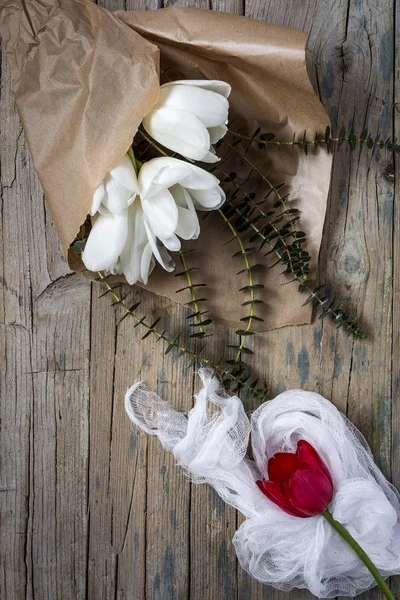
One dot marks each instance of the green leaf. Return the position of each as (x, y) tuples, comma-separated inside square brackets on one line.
[(267, 137), (255, 301), (327, 134), (254, 286)]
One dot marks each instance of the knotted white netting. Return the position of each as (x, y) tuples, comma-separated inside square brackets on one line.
[(272, 546)]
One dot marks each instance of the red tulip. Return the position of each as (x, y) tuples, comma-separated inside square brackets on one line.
[(300, 483)]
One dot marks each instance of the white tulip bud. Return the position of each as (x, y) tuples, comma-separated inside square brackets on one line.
[(189, 117)]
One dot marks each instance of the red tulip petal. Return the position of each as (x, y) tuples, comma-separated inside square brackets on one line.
[(282, 466), (260, 484), (307, 454), (309, 492), (273, 492)]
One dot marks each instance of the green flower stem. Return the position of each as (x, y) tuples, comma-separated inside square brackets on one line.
[(314, 142), (251, 283), (193, 294), (342, 531), (133, 160)]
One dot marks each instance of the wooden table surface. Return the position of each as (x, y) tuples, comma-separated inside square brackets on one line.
[(89, 509)]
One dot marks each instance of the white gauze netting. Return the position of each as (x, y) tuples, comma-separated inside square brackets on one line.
[(272, 546)]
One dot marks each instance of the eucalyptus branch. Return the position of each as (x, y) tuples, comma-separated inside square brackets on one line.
[(228, 374), (331, 307), (195, 302), (262, 140), (271, 232), (272, 188), (299, 269), (251, 287)]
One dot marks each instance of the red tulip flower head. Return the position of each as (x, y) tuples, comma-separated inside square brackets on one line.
[(300, 483)]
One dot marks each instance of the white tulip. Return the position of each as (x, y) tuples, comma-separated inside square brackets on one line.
[(170, 191), (118, 241), (135, 220), (189, 117), (118, 189)]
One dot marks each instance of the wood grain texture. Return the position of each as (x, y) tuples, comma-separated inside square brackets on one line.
[(90, 509)]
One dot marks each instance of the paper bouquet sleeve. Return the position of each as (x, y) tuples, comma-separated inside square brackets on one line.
[(84, 78), (82, 81)]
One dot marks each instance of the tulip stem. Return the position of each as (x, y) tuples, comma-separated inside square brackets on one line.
[(133, 159), (342, 531)]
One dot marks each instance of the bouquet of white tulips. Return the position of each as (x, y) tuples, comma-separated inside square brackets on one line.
[(145, 206), (141, 210)]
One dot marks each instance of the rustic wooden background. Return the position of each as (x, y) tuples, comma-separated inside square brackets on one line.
[(90, 510)]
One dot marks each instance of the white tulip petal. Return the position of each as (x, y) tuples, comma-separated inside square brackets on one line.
[(106, 241), (160, 253), (169, 176), (136, 256), (103, 210), (114, 269), (124, 172), (211, 199), (147, 263), (215, 85), (180, 195), (217, 133), (210, 156), (97, 199), (167, 171), (179, 130), (161, 173), (161, 213), (188, 227), (199, 179), (171, 243), (209, 107), (117, 197)]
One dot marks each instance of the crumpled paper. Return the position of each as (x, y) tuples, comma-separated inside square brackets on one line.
[(83, 80)]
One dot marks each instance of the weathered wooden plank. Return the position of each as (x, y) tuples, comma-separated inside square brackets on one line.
[(168, 488), (15, 415), (15, 339), (232, 6), (113, 513), (44, 430), (393, 173), (58, 469)]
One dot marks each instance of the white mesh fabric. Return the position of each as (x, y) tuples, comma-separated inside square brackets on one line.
[(274, 547)]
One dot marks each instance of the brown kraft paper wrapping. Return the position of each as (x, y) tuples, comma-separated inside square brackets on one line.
[(84, 78)]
